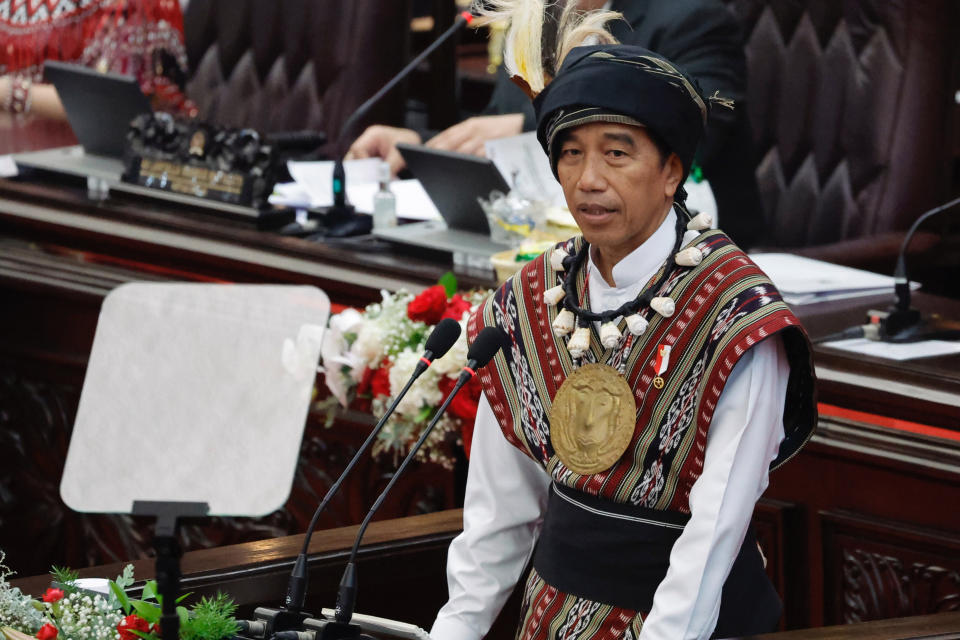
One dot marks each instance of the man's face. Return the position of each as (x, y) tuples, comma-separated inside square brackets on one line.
[(617, 186)]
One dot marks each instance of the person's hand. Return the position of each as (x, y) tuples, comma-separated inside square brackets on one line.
[(469, 135), (380, 141)]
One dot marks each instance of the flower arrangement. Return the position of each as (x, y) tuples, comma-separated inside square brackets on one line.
[(67, 612), (368, 356)]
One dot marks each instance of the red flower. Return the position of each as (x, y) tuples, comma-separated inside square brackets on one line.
[(456, 307), (464, 406), (128, 625), (52, 595), (429, 306), (380, 383), (48, 632)]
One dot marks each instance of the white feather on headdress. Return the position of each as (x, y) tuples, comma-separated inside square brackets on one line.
[(523, 53)]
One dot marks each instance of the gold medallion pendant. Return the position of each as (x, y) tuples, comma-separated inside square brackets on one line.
[(592, 419)]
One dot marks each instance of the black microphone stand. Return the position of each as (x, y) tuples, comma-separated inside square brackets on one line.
[(341, 208), (903, 323), (347, 594)]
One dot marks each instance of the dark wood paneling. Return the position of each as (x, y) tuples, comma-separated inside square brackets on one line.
[(877, 569)]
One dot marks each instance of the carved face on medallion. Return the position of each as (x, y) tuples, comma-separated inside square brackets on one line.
[(592, 419)]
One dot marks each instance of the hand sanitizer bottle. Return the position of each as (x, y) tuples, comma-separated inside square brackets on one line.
[(384, 202)]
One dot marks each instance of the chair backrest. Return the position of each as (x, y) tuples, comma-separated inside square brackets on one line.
[(851, 105), (286, 65)]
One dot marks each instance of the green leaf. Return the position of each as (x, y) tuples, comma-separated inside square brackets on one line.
[(121, 597), (425, 414), (149, 590), (125, 579), (183, 597), (146, 610), (449, 282), (184, 616)]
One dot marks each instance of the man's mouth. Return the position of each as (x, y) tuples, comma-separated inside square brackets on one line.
[(595, 210)]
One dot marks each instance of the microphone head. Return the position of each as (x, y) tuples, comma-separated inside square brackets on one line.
[(488, 342), (442, 337)]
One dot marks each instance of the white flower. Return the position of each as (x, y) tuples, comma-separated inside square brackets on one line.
[(423, 392), (455, 358), (368, 347)]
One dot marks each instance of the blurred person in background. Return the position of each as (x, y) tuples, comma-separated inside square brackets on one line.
[(701, 36), (139, 38)]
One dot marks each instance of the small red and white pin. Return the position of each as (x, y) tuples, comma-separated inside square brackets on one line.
[(660, 364)]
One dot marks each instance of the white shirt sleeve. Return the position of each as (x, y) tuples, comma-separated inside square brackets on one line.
[(743, 440), (505, 500)]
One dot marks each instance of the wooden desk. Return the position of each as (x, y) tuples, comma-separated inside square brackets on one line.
[(861, 525), (401, 576)]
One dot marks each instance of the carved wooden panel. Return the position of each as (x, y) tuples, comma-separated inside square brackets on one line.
[(780, 534), (876, 569)]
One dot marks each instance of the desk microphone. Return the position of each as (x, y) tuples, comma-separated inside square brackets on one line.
[(340, 206), (902, 323), (488, 342), (441, 339)]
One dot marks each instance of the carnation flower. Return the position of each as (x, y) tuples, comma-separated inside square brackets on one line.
[(423, 392), (429, 306), (368, 346), (132, 623), (47, 632), (455, 358), (52, 594)]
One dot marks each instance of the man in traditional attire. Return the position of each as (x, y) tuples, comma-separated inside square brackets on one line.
[(652, 379)]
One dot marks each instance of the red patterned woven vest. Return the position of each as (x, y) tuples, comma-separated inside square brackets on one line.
[(724, 306)]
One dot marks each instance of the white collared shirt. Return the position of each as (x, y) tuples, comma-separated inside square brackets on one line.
[(507, 492)]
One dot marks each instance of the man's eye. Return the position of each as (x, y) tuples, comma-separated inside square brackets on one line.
[(618, 153)]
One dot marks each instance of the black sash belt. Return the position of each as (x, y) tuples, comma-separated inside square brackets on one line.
[(618, 554)]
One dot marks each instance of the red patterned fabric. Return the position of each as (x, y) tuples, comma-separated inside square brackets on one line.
[(724, 306), (141, 38)]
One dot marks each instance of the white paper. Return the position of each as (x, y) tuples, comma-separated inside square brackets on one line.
[(700, 199), (896, 351), (317, 178), (315, 181), (524, 165), (290, 194), (8, 168), (804, 280)]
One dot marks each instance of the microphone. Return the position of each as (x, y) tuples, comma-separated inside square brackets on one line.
[(488, 342), (340, 206), (903, 323), (443, 336)]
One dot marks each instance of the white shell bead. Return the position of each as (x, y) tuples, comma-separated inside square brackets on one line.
[(556, 259), (663, 305), (554, 295), (563, 323), (689, 257), (609, 335), (579, 342), (636, 324), (701, 221)]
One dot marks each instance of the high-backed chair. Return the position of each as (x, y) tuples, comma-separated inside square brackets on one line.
[(295, 64), (851, 106)]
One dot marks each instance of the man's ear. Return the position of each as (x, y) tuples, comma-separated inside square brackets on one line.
[(673, 168)]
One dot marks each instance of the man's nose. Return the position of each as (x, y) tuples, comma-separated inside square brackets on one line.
[(592, 177)]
